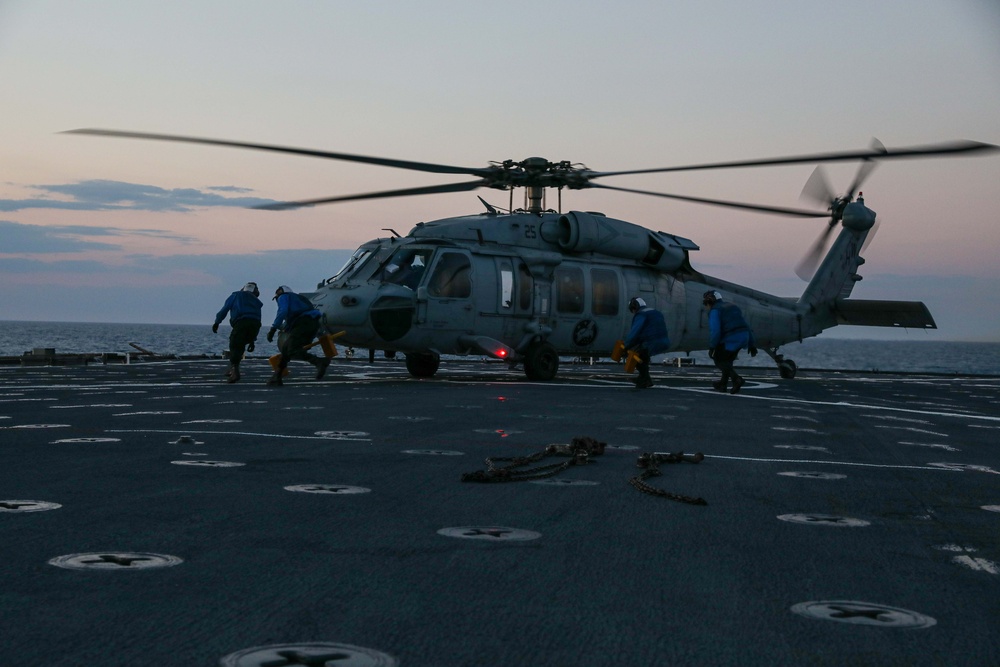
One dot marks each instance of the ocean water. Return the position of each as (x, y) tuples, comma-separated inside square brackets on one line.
[(818, 353)]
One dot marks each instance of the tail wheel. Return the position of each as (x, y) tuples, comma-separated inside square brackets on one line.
[(422, 365), (541, 362), (787, 369)]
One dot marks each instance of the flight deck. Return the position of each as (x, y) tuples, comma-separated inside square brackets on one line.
[(153, 514)]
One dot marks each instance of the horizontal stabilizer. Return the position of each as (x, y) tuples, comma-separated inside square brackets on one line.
[(870, 313)]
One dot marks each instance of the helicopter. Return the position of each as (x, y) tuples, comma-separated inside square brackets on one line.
[(530, 285)]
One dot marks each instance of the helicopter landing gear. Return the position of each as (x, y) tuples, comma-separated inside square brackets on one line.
[(786, 367), (541, 361), (422, 365)]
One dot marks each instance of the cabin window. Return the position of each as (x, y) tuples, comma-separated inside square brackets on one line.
[(506, 285), (406, 267), (452, 277), (525, 287), (605, 292), (569, 290)]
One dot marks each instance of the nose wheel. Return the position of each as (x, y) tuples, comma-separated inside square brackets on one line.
[(786, 367)]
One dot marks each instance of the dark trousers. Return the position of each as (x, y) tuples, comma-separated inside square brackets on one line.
[(244, 332), (724, 359), (643, 364), (302, 333)]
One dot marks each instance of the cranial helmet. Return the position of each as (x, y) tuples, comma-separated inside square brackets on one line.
[(251, 287), (635, 304), (281, 290), (710, 297)]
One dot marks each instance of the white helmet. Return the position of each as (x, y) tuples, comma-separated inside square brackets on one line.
[(636, 304), (251, 287), (281, 290)]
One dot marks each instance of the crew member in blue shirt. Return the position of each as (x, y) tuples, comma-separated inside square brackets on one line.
[(647, 337), (299, 320), (244, 317), (728, 334)]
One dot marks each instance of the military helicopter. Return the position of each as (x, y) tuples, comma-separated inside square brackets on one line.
[(529, 285)]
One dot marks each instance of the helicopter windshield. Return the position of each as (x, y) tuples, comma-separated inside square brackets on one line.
[(356, 261), (406, 267)]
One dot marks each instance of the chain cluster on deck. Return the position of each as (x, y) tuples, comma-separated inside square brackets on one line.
[(652, 469), (580, 451)]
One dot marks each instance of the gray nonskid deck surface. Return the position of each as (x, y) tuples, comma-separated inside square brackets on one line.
[(869, 500)]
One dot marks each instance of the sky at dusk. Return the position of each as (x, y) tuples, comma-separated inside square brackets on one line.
[(115, 230)]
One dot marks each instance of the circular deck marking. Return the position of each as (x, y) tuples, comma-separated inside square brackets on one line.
[(194, 453), (863, 613), (991, 508), (808, 448), (146, 412), (813, 475), (27, 506), (342, 435), (434, 452), (552, 481), (825, 520), (25, 426), (209, 464), (406, 418), (303, 407), (623, 448), (313, 653), (115, 560), (490, 533), (56, 442), (338, 489), (186, 440)]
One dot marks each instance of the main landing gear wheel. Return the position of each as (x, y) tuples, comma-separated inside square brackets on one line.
[(541, 362), (422, 365), (787, 369)]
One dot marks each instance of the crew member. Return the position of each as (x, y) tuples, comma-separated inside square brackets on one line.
[(728, 334), (648, 336), (244, 317), (299, 320)]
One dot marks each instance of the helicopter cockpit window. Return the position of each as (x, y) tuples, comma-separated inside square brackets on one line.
[(357, 260), (452, 277), (406, 267), (569, 290), (605, 292)]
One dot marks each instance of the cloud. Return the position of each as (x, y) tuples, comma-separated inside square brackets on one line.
[(16, 237), (103, 195)]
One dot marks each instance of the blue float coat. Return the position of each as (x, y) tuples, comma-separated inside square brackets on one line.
[(240, 306), (649, 328), (727, 327), (291, 307)]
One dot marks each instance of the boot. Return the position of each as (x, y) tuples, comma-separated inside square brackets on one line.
[(719, 386), (234, 373), (275, 380), (737, 383), (321, 365)]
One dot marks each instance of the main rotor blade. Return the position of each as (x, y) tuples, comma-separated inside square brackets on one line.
[(426, 190), (949, 148), (367, 159), (795, 212)]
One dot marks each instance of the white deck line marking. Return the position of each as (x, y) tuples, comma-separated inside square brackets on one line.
[(262, 435), (836, 463)]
